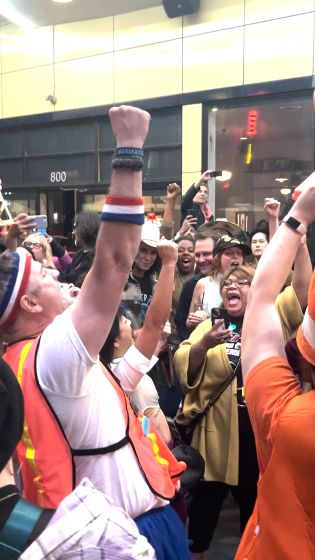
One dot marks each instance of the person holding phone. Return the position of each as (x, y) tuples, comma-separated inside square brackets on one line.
[(228, 253), (224, 435), (196, 198)]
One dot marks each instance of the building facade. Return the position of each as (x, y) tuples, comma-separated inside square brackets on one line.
[(229, 88)]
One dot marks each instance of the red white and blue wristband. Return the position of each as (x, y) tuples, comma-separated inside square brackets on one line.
[(17, 286), (123, 209)]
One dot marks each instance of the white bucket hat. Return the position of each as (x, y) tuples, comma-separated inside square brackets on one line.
[(150, 234)]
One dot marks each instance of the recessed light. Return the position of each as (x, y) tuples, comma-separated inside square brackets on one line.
[(214, 109)]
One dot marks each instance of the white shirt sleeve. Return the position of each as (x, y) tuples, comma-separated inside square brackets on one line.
[(63, 363), (132, 367), (131, 371)]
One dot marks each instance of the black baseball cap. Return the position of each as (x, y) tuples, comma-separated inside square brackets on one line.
[(226, 242)]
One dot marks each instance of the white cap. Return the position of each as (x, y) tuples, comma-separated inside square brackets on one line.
[(150, 234)]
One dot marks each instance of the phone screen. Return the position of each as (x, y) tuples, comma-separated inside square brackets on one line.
[(218, 313), (191, 212)]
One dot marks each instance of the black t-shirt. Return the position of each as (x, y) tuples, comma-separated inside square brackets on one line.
[(233, 350), (146, 293)]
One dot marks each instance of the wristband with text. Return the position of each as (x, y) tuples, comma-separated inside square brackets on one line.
[(128, 152)]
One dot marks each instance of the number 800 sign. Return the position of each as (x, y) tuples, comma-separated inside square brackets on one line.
[(58, 177)]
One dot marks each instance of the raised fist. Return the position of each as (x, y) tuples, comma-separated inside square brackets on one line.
[(168, 251), (130, 126), (173, 191), (272, 207)]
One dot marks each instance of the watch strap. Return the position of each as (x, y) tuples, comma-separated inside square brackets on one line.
[(295, 224)]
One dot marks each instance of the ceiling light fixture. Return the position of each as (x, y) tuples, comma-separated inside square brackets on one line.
[(243, 138), (62, 1), (285, 191), (281, 178), (226, 175), (214, 109)]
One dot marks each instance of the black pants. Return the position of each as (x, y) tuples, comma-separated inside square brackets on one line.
[(208, 497)]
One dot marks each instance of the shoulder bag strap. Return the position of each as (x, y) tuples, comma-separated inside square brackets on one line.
[(214, 399)]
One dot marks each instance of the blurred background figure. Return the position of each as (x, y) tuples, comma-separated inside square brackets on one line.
[(196, 199), (85, 229)]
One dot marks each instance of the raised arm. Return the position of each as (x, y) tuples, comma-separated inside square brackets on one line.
[(173, 191), (192, 191), (272, 209), (160, 306), (118, 241), (262, 334), (302, 273)]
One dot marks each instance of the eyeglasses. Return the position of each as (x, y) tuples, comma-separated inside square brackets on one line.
[(29, 245), (237, 283)]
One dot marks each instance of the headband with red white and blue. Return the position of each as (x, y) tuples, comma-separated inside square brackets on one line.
[(17, 286), (123, 209)]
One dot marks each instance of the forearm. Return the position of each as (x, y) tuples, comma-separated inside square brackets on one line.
[(159, 309), (157, 313), (302, 274), (169, 211), (11, 242), (159, 421), (276, 262), (197, 355), (117, 244), (273, 226), (188, 198)]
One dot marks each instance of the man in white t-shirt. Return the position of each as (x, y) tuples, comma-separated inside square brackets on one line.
[(68, 372)]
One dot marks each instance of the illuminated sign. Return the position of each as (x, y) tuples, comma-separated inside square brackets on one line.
[(252, 120)]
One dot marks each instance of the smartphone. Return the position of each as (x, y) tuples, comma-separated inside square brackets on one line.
[(216, 174), (191, 212), (40, 221), (218, 313)]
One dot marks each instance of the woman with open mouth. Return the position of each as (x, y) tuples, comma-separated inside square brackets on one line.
[(223, 434), (228, 253)]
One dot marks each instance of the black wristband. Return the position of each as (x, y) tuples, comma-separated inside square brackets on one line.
[(135, 163), (128, 152)]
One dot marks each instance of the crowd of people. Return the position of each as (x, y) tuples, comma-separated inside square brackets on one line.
[(112, 357)]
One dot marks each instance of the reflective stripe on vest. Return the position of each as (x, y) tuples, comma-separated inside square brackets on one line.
[(45, 452)]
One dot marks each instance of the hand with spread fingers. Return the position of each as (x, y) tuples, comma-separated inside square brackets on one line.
[(22, 223), (215, 336), (188, 223)]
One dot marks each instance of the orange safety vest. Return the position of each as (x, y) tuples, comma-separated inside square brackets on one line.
[(46, 457)]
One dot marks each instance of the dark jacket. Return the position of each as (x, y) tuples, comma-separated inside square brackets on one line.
[(188, 202), (184, 306), (81, 264)]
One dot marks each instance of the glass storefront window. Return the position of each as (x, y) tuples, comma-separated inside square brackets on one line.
[(19, 202), (267, 148)]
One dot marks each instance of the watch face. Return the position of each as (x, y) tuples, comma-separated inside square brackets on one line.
[(293, 222)]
